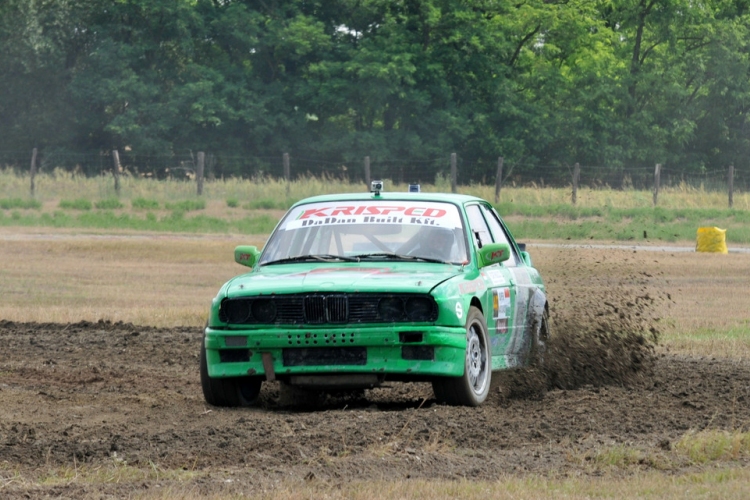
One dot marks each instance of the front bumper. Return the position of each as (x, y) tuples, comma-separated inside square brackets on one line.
[(403, 351)]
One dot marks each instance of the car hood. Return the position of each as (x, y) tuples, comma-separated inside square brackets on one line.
[(300, 278)]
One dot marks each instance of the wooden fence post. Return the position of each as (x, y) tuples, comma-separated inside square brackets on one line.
[(210, 164), (730, 182), (367, 172), (199, 167), (116, 170), (287, 173), (657, 180), (454, 173), (576, 177), (498, 178), (32, 170)]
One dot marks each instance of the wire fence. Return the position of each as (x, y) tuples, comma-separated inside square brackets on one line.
[(427, 171)]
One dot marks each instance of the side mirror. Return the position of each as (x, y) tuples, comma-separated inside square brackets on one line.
[(493, 253), (526, 256), (246, 255)]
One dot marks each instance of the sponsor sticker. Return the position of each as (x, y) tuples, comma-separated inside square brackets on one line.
[(459, 310), (501, 309), (497, 277), (473, 286), (422, 213)]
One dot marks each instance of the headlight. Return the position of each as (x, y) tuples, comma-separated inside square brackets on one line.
[(235, 311), (264, 310), (390, 309), (421, 309)]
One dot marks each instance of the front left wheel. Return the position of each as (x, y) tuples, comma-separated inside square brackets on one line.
[(228, 392), (472, 388)]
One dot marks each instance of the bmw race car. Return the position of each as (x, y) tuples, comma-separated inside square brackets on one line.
[(353, 290)]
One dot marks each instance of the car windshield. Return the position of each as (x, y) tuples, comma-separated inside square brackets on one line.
[(369, 230)]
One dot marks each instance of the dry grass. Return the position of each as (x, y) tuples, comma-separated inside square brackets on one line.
[(161, 280), (718, 483), (712, 445), (56, 185)]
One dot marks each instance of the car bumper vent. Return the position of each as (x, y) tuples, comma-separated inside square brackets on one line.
[(322, 356), (234, 355), (418, 353)]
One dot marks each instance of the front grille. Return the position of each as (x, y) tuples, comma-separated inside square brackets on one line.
[(336, 308), (315, 309)]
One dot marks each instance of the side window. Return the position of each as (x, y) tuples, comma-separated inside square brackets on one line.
[(498, 232), (480, 232)]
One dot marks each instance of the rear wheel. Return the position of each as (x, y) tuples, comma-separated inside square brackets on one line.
[(539, 342), (234, 391), (472, 387)]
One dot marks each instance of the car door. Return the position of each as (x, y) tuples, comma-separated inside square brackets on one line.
[(501, 296), (521, 282)]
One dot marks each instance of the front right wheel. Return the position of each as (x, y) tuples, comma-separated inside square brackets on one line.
[(230, 392), (472, 388)]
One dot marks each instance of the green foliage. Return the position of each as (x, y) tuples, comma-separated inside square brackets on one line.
[(186, 205), (77, 204), (233, 202), (267, 204), (109, 204), (614, 83), (10, 203), (144, 204)]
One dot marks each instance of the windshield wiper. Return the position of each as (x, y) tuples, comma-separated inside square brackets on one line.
[(398, 256), (310, 258)]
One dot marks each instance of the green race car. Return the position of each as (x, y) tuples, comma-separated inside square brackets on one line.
[(354, 290)]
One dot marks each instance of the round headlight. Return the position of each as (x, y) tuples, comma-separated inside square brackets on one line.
[(236, 311), (390, 309), (264, 310), (420, 309)]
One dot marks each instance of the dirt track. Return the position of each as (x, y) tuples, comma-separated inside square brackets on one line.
[(90, 393)]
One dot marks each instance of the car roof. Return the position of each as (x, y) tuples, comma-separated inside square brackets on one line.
[(392, 195)]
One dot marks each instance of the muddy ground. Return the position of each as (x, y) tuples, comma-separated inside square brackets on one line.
[(88, 394), (91, 396)]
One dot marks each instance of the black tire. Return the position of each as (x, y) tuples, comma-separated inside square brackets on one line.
[(472, 388), (228, 392), (539, 342)]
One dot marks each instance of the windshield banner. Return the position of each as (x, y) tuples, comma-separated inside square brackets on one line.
[(421, 213)]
